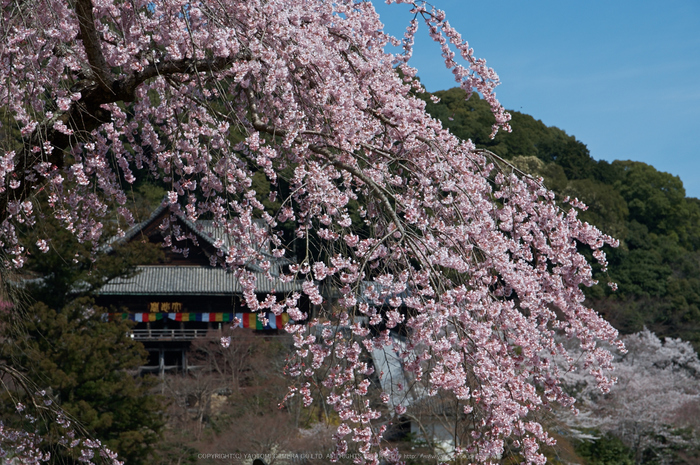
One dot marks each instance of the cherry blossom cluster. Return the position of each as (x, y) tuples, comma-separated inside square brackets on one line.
[(417, 231), (21, 445), (32, 447), (476, 76)]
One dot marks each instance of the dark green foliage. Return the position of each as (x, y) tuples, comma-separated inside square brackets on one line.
[(606, 450), (655, 199), (643, 273), (607, 209), (87, 366), (657, 266)]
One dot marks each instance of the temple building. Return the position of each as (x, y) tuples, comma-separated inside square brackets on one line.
[(183, 297)]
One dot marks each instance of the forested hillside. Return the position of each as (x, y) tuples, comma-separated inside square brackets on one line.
[(657, 265)]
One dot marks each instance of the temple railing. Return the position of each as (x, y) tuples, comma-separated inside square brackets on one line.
[(174, 334)]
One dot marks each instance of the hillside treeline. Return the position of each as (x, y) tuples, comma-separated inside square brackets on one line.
[(657, 265)]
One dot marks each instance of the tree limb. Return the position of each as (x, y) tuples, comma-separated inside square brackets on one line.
[(91, 43)]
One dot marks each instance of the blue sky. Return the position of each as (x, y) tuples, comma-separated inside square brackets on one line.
[(622, 76)]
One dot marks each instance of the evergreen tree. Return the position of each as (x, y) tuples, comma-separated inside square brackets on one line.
[(63, 344), (87, 366)]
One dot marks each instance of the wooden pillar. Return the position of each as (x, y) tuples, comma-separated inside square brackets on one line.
[(161, 362)]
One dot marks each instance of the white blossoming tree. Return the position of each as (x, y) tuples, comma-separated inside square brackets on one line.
[(653, 407), (479, 263)]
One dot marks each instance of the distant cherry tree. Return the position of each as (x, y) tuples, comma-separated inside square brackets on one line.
[(653, 408), (475, 260)]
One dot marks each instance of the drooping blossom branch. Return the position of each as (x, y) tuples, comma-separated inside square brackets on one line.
[(32, 445)]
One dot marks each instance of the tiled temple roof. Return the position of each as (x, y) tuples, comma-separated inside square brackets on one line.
[(194, 279), (190, 280)]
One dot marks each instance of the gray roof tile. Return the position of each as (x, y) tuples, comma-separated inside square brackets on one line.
[(190, 280)]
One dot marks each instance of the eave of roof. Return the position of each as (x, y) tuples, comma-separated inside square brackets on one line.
[(203, 229), (191, 280)]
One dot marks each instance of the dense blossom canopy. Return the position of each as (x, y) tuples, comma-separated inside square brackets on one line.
[(479, 264)]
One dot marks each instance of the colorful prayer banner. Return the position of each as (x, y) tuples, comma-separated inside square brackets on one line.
[(246, 320), (146, 317), (251, 320)]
